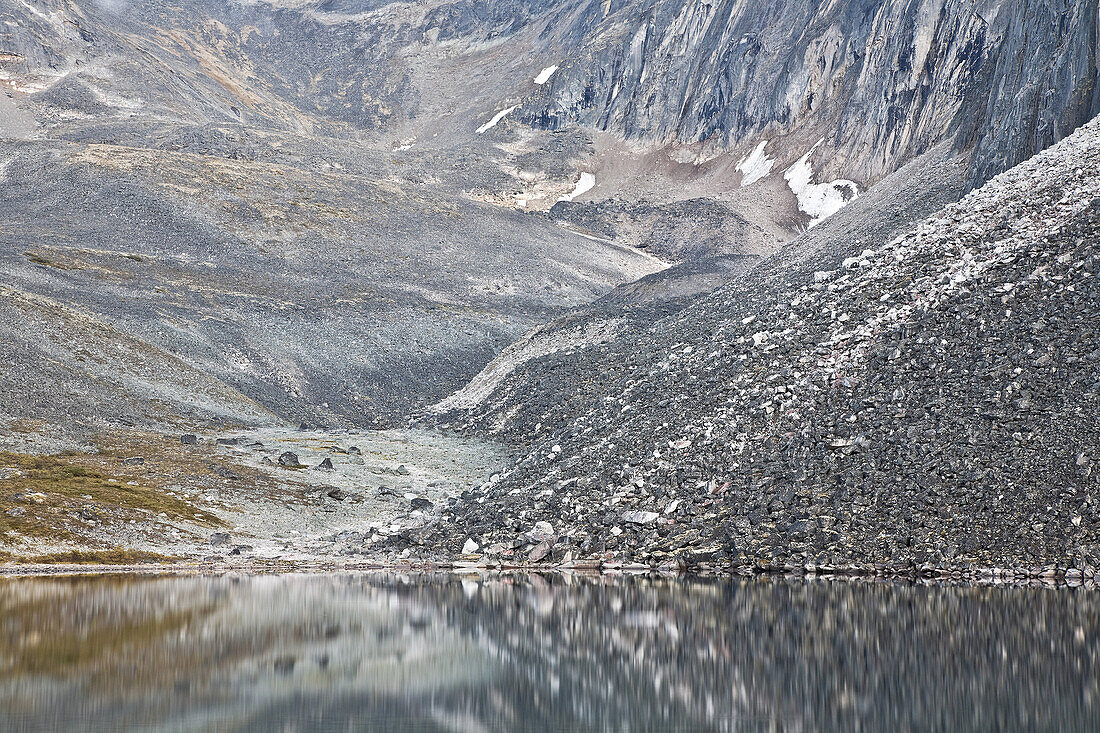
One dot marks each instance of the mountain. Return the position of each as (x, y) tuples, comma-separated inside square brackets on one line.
[(929, 400), (605, 233), (220, 183), (878, 82), (328, 207)]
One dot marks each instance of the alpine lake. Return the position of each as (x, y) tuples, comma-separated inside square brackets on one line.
[(437, 652)]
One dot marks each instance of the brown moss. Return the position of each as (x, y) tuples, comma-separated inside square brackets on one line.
[(54, 488), (40, 259), (26, 425), (116, 556)]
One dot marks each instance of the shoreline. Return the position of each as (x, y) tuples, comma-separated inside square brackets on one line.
[(1045, 577)]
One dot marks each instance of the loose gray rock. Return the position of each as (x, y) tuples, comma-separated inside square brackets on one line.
[(539, 552), (226, 473), (934, 406)]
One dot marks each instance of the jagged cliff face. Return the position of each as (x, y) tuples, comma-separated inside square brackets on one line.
[(881, 80)]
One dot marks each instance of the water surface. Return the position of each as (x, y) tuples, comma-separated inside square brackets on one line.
[(441, 653)]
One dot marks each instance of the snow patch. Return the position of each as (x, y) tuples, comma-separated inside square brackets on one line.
[(583, 185), (818, 200), (545, 74), (113, 6), (496, 118), (756, 166), (14, 122)]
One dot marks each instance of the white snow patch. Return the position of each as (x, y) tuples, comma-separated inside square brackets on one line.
[(756, 166), (14, 123), (818, 200), (545, 74), (583, 185), (113, 6), (496, 118)]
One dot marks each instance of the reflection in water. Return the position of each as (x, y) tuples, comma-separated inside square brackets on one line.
[(395, 653)]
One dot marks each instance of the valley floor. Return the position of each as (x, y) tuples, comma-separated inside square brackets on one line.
[(292, 500), (271, 497)]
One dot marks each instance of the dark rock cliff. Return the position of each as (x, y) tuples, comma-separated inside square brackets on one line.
[(881, 80)]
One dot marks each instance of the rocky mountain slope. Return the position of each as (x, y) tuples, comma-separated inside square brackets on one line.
[(222, 185), (326, 207), (316, 293), (931, 400), (261, 213)]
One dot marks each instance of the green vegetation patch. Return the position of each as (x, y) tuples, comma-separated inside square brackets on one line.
[(42, 495), (116, 556)]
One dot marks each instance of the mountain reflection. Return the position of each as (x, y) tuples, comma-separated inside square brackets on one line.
[(442, 653)]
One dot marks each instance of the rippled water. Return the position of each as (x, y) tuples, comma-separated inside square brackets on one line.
[(395, 653)]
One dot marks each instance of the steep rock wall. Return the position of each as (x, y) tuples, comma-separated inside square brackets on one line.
[(881, 80)]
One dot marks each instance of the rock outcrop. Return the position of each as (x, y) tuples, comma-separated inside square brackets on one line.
[(881, 81)]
